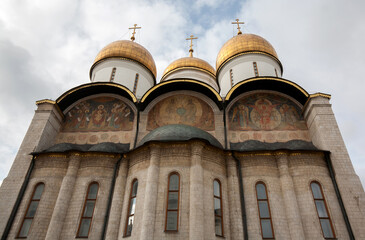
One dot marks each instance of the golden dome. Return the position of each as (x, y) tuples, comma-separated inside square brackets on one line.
[(189, 63), (244, 43), (129, 50)]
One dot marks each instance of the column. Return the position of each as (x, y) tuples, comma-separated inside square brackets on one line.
[(196, 214), (326, 135), (63, 199), (290, 199), (117, 203), (40, 135), (235, 212), (150, 196)]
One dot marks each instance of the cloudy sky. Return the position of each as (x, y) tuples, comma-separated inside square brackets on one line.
[(47, 47)]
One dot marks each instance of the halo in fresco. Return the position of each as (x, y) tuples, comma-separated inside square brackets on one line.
[(99, 114), (181, 109), (265, 111)]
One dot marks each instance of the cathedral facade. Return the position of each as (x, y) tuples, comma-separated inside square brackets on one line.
[(236, 152)]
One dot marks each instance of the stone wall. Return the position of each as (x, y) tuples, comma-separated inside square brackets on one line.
[(287, 176)]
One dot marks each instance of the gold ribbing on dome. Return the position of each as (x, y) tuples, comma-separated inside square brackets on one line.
[(191, 45), (244, 43), (129, 50), (134, 31), (238, 25)]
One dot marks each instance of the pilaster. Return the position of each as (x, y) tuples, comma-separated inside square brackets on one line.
[(63, 199), (236, 226), (196, 214), (117, 202), (43, 129), (291, 204), (150, 197), (326, 135)]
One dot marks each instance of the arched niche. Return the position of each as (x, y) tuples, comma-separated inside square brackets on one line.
[(265, 116), (182, 107), (99, 118)]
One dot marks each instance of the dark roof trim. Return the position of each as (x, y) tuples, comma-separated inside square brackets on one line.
[(269, 83), (254, 145), (179, 132), (180, 84), (89, 89), (105, 147)]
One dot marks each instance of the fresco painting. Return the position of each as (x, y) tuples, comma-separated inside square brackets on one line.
[(265, 111), (99, 114), (181, 109)]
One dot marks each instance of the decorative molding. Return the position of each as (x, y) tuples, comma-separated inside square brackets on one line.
[(45, 101), (97, 84), (39, 102), (181, 80), (231, 91), (325, 95), (314, 95)]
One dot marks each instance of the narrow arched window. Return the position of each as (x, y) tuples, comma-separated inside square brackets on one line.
[(112, 75), (135, 83), (231, 77), (88, 210), (322, 211), (218, 210), (264, 211), (256, 70), (131, 208), (276, 72), (172, 206), (31, 210)]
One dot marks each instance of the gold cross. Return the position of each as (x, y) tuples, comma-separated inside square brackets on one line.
[(238, 25), (134, 31), (191, 44)]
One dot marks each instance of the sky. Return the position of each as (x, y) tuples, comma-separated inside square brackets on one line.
[(48, 47)]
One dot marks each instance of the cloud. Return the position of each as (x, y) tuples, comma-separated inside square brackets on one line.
[(321, 46), (22, 83), (48, 48)]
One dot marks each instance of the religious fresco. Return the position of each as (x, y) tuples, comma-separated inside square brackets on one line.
[(181, 109), (265, 112), (99, 114)]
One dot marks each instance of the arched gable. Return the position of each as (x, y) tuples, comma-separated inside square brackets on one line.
[(73, 95), (181, 108), (268, 83), (181, 84), (99, 118), (99, 113), (265, 111), (268, 117)]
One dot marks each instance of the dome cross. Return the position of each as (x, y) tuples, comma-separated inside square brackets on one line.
[(134, 31), (191, 44), (238, 25)]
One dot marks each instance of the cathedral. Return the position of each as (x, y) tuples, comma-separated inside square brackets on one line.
[(231, 152)]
